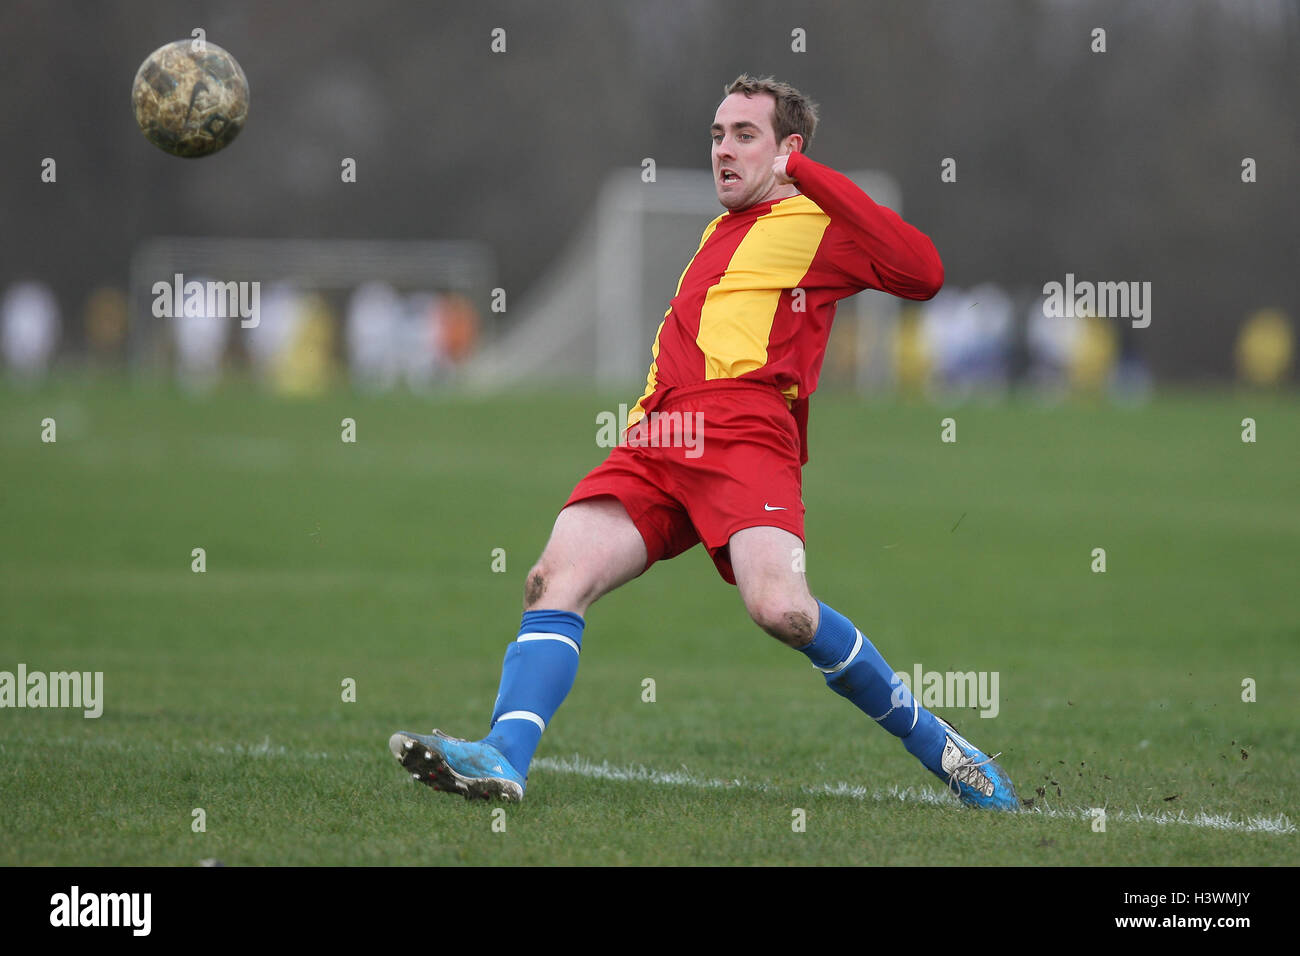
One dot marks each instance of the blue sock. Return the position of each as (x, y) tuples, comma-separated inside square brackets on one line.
[(854, 669), (536, 676)]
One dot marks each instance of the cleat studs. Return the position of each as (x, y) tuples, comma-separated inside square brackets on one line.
[(408, 744), (428, 755)]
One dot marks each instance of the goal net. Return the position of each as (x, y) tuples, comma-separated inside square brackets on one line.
[(593, 316)]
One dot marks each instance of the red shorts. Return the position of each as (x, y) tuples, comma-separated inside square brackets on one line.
[(708, 461)]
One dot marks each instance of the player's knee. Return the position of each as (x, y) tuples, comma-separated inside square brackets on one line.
[(535, 585), (558, 584), (784, 621)]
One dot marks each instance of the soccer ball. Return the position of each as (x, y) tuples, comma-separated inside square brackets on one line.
[(190, 102)]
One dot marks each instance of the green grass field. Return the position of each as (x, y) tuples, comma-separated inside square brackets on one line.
[(373, 561)]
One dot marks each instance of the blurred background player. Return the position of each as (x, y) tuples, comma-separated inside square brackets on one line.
[(29, 330)]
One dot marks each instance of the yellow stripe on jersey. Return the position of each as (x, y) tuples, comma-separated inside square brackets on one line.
[(736, 320), (652, 378)]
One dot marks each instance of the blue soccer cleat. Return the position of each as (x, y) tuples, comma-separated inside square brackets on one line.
[(471, 768), (972, 775)]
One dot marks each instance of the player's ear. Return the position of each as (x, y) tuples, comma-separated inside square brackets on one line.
[(793, 144)]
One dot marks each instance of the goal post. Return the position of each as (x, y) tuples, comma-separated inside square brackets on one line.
[(593, 316)]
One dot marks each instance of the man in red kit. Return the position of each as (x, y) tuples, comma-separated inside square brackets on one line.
[(715, 448)]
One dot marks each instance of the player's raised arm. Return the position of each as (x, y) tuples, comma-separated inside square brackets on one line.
[(883, 251)]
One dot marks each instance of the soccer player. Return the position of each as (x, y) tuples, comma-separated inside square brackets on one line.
[(714, 452)]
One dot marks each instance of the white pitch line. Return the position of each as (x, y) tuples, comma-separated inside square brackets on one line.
[(582, 767)]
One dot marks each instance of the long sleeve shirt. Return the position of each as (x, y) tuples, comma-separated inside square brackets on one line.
[(757, 300)]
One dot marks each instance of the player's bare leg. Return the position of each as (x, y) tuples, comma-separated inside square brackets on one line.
[(768, 565), (594, 548)]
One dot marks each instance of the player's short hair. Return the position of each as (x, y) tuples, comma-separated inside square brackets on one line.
[(794, 112)]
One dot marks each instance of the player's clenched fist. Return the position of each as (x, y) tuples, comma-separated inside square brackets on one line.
[(778, 170)]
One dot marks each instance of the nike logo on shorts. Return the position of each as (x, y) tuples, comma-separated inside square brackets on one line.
[(767, 507)]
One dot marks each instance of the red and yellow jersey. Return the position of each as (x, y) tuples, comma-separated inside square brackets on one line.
[(757, 300)]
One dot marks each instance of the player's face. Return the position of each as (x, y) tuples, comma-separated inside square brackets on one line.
[(744, 146)]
